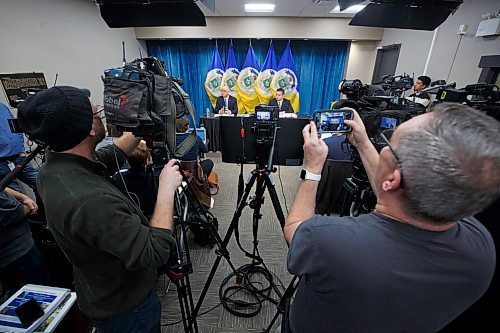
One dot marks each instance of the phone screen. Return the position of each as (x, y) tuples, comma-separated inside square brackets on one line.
[(388, 123), (333, 121)]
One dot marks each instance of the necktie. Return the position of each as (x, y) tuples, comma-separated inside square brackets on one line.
[(225, 102), (279, 105)]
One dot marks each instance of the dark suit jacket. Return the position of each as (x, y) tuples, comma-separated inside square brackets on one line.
[(232, 104), (285, 105)]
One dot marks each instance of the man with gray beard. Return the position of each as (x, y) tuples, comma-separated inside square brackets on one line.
[(418, 260)]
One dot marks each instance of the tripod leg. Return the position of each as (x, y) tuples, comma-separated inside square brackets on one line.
[(227, 237), (190, 306), (258, 201), (180, 296), (284, 306), (275, 200)]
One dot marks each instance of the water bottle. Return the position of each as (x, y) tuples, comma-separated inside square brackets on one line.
[(207, 113)]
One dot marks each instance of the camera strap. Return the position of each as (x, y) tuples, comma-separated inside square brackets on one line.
[(185, 100)]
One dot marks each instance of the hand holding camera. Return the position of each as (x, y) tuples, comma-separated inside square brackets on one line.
[(170, 178)]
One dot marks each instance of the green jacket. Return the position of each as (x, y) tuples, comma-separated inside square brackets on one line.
[(105, 236)]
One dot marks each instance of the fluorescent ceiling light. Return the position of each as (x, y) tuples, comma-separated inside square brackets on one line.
[(350, 10), (259, 7)]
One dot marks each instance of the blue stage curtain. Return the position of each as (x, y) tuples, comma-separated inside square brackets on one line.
[(320, 65)]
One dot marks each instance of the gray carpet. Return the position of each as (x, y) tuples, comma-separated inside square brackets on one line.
[(272, 248)]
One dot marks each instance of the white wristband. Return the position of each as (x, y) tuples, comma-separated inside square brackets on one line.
[(306, 175)]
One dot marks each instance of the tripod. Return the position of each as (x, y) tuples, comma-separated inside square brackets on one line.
[(262, 179), (359, 195), (187, 205)]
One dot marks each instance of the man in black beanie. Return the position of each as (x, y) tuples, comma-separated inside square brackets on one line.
[(114, 249)]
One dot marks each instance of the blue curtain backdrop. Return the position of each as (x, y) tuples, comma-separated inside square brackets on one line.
[(320, 66)]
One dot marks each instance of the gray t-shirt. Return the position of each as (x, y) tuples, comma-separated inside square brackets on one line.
[(374, 274)]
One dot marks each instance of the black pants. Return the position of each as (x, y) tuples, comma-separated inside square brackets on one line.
[(29, 268)]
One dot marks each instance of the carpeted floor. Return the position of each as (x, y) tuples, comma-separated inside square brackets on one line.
[(271, 245)]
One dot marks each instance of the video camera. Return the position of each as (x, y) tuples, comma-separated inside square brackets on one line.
[(266, 120), (141, 98), (397, 84), (477, 95), (382, 110)]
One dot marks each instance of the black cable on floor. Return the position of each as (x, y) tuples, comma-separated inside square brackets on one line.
[(199, 315), (242, 295)]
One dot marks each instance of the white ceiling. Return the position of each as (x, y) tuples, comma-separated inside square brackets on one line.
[(294, 8)]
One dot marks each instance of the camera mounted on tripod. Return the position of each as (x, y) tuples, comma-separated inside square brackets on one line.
[(479, 95), (397, 84), (381, 111), (266, 120)]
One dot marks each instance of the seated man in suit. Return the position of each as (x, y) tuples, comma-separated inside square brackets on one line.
[(282, 103), (226, 104)]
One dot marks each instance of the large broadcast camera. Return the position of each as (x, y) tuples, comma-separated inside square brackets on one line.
[(381, 108), (141, 98), (397, 84), (481, 96)]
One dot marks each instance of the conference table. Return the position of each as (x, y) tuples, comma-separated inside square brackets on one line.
[(212, 127)]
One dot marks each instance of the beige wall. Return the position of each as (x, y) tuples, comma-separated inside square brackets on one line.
[(361, 62), (60, 36), (415, 45), (266, 27)]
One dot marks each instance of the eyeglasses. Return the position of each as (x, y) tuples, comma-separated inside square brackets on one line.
[(98, 113), (395, 156)]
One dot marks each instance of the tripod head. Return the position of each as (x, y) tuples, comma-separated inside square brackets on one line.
[(266, 128)]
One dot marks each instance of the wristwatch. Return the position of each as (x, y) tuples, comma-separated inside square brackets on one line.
[(306, 175)]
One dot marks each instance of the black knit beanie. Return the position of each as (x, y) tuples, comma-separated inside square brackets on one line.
[(60, 116)]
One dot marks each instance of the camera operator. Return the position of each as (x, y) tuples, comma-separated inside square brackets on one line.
[(113, 248), (418, 96), (419, 259)]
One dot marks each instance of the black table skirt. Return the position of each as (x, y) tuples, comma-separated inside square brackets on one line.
[(211, 125)]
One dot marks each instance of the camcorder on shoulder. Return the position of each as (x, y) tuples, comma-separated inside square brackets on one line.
[(141, 98)]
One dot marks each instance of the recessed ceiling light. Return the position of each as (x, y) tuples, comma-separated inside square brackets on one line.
[(350, 10), (259, 7)]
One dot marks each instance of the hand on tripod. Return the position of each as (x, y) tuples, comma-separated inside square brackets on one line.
[(170, 179)]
